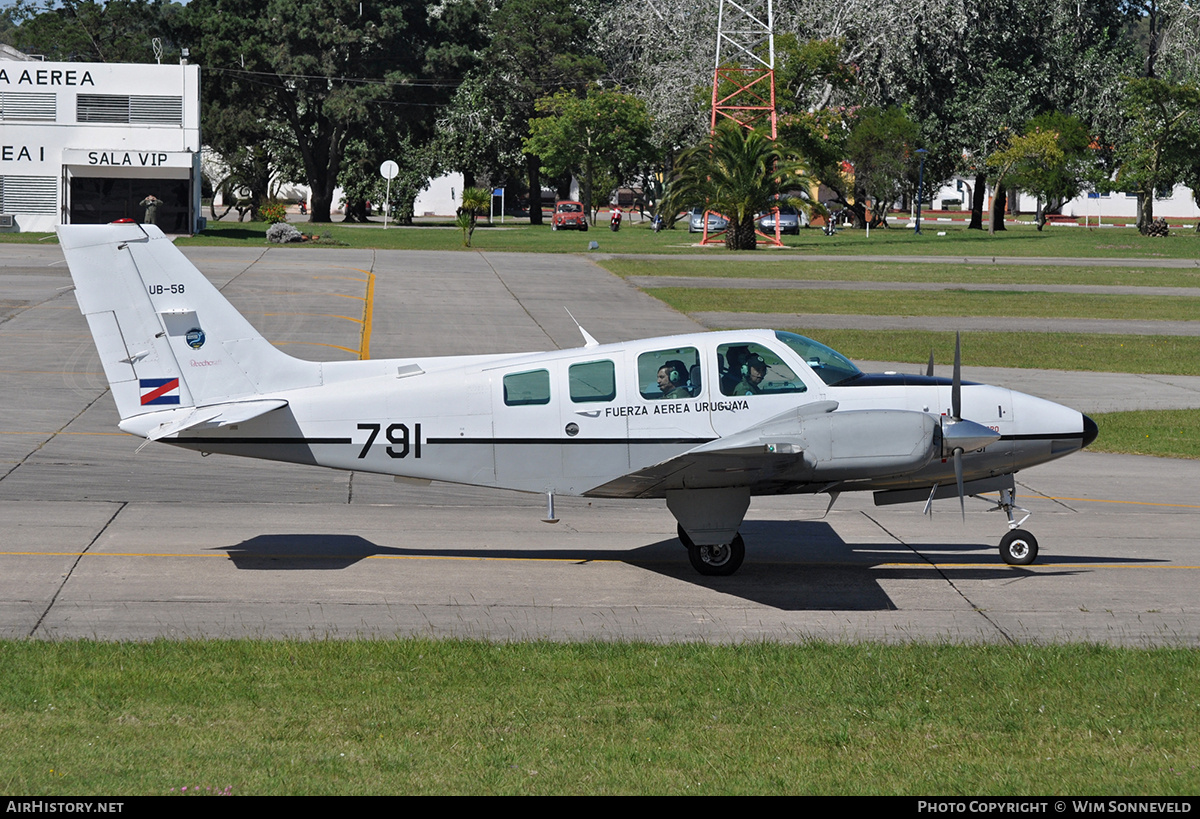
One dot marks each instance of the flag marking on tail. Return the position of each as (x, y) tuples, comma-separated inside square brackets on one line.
[(159, 390)]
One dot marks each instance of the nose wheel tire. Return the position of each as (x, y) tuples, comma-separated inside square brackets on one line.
[(715, 561), (1018, 548)]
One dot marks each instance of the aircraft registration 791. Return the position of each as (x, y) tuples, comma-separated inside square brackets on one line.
[(705, 420)]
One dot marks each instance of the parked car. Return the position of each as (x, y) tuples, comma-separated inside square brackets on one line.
[(716, 222), (790, 221), (568, 216)]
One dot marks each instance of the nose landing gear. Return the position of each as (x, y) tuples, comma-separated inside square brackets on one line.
[(1018, 547)]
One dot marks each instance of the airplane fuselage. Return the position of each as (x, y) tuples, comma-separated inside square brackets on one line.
[(455, 419)]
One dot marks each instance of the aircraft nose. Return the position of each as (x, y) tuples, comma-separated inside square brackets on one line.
[(1090, 431)]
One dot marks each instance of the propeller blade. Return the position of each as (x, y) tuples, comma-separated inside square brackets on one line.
[(959, 478), (929, 369), (956, 385)]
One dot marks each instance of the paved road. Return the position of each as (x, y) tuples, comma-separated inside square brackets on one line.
[(102, 542)]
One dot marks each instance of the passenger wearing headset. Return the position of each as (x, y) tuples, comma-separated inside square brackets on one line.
[(754, 370), (672, 380)]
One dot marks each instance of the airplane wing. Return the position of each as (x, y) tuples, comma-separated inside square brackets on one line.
[(809, 447)]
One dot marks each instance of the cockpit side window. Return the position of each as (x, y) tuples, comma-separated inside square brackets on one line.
[(755, 369), (670, 374), (830, 366)]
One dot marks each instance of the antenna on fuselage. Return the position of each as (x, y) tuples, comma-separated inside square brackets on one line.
[(588, 341)]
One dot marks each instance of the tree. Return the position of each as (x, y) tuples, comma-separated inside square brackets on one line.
[(538, 47), (474, 202), (1163, 140), (604, 135), (325, 71), (1055, 179), (880, 146), (1021, 152), (740, 174), (117, 31)]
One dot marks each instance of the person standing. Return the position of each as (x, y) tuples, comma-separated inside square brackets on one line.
[(151, 203)]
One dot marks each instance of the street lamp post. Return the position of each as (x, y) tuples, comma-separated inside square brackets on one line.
[(920, 189)]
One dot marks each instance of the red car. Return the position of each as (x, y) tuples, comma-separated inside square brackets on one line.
[(568, 215)]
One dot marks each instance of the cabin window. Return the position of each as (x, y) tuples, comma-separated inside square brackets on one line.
[(752, 369), (669, 374), (523, 389), (593, 381)]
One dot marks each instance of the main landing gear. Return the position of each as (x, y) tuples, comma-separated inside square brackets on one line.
[(1018, 547), (715, 561)]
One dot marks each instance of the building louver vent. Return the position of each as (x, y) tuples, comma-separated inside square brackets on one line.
[(144, 110), (15, 106), (28, 194)]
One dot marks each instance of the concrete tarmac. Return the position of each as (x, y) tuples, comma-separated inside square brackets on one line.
[(100, 542)]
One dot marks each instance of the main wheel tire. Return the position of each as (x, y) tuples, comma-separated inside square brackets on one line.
[(718, 561), (1018, 548)]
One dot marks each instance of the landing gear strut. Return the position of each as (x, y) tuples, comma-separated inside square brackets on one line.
[(715, 561), (1018, 547)]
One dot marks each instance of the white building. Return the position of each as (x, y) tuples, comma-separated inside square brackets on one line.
[(1104, 207), (87, 142)]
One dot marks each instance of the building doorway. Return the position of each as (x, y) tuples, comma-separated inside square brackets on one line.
[(100, 200)]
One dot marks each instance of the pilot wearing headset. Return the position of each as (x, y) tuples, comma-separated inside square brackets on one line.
[(672, 380), (754, 370)]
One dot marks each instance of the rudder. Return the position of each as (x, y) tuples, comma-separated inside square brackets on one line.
[(166, 337)]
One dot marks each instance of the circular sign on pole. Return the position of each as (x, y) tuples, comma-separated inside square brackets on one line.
[(388, 170)]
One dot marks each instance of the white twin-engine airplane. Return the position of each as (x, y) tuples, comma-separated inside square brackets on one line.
[(704, 420)]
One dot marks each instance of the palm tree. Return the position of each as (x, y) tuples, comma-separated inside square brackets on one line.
[(474, 202), (738, 173)]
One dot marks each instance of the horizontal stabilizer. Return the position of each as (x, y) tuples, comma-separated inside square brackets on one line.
[(155, 426)]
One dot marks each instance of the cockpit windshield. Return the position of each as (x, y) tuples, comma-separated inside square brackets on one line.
[(830, 366)]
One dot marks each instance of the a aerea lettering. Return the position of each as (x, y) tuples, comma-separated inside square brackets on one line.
[(673, 407), (48, 76)]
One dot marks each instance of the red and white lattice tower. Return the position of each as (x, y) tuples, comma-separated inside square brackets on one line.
[(744, 76)]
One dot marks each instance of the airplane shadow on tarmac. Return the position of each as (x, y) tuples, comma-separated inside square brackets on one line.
[(792, 566)]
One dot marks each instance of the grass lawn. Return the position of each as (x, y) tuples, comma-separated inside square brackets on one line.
[(933, 303), (636, 237), (729, 266), (1161, 433), (456, 717)]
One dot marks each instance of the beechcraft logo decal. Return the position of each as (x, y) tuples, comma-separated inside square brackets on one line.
[(159, 390)]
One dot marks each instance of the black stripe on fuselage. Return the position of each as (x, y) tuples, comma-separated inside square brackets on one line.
[(1045, 436), (573, 441), (194, 441)]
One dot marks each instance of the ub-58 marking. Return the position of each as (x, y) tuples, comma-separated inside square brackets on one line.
[(705, 420)]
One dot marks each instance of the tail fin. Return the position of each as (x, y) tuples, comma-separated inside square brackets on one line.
[(167, 338)]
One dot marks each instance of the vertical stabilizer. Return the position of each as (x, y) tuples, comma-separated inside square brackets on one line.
[(167, 338)]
